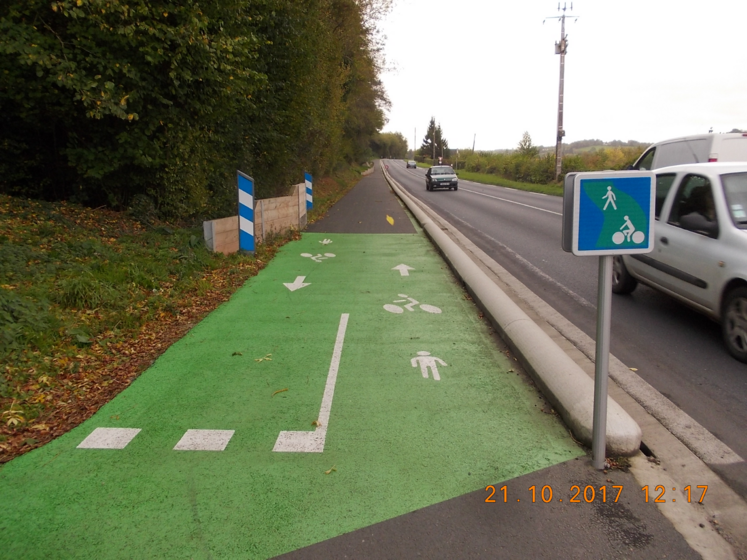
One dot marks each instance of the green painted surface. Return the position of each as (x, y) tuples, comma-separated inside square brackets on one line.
[(398, 441)]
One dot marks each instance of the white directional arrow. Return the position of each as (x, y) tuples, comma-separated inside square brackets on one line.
[(404, 270), (298, 284)]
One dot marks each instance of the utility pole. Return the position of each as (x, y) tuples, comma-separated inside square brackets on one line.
[(473, 142), (561, 47), (433, 137), (414, 141)]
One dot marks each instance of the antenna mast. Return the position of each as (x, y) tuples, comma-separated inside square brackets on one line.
[(561, 47)]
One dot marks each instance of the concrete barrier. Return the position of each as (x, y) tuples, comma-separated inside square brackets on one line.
[(222, 236), (271, 216), (562, 381)]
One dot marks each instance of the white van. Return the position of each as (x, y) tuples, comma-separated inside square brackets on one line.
[(702, 148)]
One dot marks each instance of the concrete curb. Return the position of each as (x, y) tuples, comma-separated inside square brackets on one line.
[(561, 380)]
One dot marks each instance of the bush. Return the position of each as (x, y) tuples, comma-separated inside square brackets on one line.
[(23, 322)]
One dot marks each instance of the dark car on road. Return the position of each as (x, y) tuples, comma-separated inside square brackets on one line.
[(441, 177), (412, 163)]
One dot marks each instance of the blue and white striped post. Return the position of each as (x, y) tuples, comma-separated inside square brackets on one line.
[(246, 212), (309, 191)]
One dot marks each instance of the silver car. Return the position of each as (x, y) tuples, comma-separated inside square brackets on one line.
[(700, 246)]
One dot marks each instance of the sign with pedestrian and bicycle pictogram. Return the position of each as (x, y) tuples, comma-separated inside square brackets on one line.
[(611, 213)]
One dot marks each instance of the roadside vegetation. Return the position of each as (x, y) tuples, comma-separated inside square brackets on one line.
[(554, 189), (89, 298), (530, 167), (154, 102)]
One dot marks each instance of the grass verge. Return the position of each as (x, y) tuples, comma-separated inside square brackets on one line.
[(488, 179), (90, 298)]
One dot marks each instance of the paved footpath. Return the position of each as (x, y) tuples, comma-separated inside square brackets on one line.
[(348, 402)]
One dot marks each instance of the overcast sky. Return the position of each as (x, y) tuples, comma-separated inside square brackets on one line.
[(636, 70)]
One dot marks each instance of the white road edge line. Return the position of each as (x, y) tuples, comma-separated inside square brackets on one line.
[(512, 202), (313, 442)]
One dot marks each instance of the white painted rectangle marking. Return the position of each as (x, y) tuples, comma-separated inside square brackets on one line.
[(246, 225), (109, 438), (313, 442), (246, 199), (204, 440)]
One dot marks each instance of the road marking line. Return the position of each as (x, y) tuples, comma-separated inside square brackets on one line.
[(204, 440), (513, 202), (109, 438), (313, 442)]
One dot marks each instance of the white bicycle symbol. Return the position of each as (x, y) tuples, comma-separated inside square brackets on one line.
[(628, 232), (413, 302)]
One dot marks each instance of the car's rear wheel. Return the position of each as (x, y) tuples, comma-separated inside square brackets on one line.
[(456, 188), (734, 323), (622, 281)]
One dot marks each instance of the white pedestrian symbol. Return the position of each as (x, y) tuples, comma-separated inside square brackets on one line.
[(610, 198), (425, 360), (628, 232), (409, 306), (325, 241), (319, 257)]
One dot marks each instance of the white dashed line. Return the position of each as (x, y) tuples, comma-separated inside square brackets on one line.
[(109, 438)]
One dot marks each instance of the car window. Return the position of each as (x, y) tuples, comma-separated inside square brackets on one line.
[(694, 150), (663, 185), (647, 160), (735, 189), (693, 207), (442, 171)]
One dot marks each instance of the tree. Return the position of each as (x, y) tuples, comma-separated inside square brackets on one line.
[(526, 148), (389, 145), (434, 144), (105, 100)]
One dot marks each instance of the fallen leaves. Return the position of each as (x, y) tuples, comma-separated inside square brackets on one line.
[(330, 471), (280, 391), (266, 358)]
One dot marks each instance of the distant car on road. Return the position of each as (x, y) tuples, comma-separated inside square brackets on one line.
[(700, 246), (441, 177), (412, 163), (700, 148)]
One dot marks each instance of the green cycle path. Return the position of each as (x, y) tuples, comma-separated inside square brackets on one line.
[(334, 391)]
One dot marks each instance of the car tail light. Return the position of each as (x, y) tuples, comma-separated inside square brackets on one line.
[(712, 158)]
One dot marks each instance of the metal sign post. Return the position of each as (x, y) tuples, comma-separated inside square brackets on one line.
[(601, 361), (606, 214)]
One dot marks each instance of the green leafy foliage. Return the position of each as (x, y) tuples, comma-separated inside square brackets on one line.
[(105, 101), (389, 145)]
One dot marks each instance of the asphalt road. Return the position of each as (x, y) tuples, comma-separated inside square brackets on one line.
[(676, 350)]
